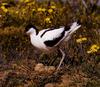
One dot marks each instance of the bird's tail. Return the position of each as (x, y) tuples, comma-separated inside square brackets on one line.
[(75, 26)]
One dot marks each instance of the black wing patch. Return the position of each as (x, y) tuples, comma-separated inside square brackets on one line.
[(51, 43), (67, 27), (46, 31)]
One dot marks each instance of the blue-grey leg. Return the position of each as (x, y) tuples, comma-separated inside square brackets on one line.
[(63, 56)]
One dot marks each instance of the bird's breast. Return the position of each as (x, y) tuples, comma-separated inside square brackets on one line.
[(38, 43)]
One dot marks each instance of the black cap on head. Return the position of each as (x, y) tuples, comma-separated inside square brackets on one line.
[(30, 26)]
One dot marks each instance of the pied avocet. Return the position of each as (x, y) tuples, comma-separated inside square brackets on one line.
[(47, 39)]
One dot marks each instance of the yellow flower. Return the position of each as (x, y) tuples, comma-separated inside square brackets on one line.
[(93, 48), (50, 10), (31, 3), (33, 9), (4, 4), (16, 12), (53, 7), (80, 40), (84, 39), (47, 20), (43, 9), (4, 9), (39, 9), (26, 1)]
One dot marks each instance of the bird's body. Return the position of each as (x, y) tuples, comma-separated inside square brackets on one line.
[(50, 38), (45, 39)]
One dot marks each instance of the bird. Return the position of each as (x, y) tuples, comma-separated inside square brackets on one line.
[(50, 38)]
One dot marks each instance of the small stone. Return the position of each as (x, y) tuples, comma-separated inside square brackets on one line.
[(51, 69), (40, 68), (66, 80), (49, 85), (46, 68)]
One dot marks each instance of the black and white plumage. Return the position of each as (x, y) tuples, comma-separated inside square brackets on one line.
[(50, 38)]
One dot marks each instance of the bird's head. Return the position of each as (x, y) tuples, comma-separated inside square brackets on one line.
[(31, 29)]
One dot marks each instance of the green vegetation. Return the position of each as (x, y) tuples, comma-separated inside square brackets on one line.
[(18, 57)]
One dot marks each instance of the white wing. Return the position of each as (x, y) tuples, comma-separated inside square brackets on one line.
[(52, 34), (42, 31)]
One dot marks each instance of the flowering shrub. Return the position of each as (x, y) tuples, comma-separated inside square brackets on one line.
[(24, 11), (93, 48)]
